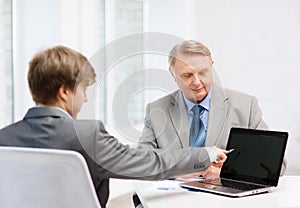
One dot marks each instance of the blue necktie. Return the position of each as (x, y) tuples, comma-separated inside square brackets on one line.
[(197, 130)]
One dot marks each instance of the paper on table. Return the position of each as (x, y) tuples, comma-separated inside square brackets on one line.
[(173, 184)]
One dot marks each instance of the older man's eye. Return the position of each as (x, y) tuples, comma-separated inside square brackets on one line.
[(186, 75)]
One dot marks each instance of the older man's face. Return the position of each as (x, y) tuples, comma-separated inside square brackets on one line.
[(193, 75)]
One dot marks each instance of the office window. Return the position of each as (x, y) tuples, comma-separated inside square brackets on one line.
[(6, 69), (122, 18)]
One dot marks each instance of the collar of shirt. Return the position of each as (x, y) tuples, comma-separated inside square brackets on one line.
[(205, 103), (62, 110)]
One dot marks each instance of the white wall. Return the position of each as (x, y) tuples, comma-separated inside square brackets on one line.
[(256, 48)]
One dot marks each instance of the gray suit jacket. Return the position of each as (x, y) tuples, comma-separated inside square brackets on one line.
[(166, 122), (49, 127)]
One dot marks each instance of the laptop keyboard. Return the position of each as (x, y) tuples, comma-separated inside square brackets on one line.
[(234, 184)]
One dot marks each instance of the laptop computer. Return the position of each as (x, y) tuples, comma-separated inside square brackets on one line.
[(252, 168)]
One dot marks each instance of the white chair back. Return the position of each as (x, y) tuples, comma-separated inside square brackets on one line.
[(45, 178)]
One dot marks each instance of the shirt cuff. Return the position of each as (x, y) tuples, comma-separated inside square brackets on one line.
[(212, 152)]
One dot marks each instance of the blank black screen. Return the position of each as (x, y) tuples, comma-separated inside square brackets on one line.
[(257, 157)]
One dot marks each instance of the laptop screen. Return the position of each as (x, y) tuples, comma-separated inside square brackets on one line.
[(257, 157)]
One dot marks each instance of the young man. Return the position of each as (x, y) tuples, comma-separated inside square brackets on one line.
[(58, 79)]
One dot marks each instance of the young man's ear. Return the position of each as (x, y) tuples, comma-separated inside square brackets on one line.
[(63, 93)]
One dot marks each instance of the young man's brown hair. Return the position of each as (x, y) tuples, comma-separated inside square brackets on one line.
[(55, 67)]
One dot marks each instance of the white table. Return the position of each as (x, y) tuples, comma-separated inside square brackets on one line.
[(286, 195)]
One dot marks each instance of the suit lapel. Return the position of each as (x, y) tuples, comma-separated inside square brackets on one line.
[(217, 115), (179, 118)]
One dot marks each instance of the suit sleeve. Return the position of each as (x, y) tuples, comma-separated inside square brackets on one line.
[(257, 122), (147, 139), (115, 160)]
